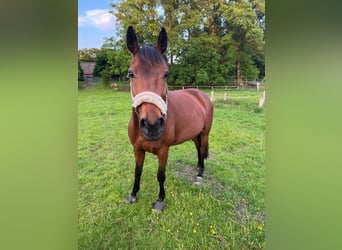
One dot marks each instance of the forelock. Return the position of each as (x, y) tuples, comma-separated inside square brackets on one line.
[(150, 56)]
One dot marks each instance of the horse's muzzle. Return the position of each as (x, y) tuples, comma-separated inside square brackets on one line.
[(152, 132)]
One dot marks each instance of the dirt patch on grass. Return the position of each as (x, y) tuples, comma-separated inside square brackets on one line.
[(189, 174), (241, 211), (243, 216)]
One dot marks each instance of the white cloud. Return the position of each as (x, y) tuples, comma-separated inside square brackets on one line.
[(99, 18)]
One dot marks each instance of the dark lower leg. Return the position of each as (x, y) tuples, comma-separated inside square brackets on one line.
[(161, 180), (197, 141), (159, 205), (139, 162), (202, 154), (136, 187), (200, 165)]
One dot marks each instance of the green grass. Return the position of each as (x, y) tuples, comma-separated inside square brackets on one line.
[(225, 212)]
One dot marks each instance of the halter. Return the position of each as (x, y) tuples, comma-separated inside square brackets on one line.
[(150, 97)]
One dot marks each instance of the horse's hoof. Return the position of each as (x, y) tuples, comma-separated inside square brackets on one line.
[(199, 178), (158, 206), (131, 199)]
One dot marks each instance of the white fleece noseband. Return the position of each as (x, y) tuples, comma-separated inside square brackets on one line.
[(150, 97)]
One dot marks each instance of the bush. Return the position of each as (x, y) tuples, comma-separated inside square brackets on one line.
[(201, 77), (105, 74)]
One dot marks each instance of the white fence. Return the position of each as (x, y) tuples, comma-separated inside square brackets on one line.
[(216, 91)]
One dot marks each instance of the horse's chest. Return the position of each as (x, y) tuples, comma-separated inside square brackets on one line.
[(151, 146)]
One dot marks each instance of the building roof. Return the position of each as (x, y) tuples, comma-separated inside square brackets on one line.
[(88, 68)]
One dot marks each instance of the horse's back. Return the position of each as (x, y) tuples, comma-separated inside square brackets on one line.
[(190, 112), (192, 96), (202, 98)]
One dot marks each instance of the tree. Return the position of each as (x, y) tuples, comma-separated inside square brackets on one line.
[(119, 62), (118, 57), (88, 55), (259, 61), (101, 62), (200, 60), (209, 41), (142, 15), (112, 61), (106, 76), (247, 37), (171, 22)]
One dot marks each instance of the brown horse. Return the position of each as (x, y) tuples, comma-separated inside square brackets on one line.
[(162, 118)]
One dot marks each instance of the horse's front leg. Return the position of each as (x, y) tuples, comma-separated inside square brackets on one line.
[(159, 205), (139, 163)]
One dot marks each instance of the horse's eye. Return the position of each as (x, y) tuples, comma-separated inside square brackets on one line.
[(130, 74), (166, 74)]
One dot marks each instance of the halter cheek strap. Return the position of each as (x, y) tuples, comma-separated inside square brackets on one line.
[(150, 97)]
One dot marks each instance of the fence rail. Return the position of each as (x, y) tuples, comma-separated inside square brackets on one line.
[(245, 85), (214, 89)]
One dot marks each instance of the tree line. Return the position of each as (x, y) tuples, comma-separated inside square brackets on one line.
[(210, 42)]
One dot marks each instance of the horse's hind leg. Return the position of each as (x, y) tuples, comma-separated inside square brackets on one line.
[(197, 141), (201, 142)]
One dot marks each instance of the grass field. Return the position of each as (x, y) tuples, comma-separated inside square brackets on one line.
[(225, 212)]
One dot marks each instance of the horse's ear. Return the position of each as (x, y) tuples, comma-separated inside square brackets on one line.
[(162, 41), (131, 40)]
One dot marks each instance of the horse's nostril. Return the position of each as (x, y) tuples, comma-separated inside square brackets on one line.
[(143, 123), (161, 121), (159, 124)]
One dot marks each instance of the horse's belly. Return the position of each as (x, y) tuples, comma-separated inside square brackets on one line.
[(180, 139), (187, 114), (188, 129)]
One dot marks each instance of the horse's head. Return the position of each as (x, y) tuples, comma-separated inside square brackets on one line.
[(148, 73)]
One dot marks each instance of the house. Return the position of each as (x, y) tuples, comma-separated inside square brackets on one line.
[(88, 69)]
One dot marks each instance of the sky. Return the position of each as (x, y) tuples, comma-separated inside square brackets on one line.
[(94, 23)]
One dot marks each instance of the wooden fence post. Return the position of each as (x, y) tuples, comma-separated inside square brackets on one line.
[(212, 94), (262, 99), (225, 94)]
